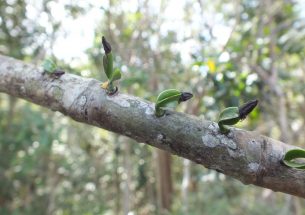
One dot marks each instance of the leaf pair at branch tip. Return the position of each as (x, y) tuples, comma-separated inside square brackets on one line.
[(111, 73), (232, 115), (291, 155), (170, 98)]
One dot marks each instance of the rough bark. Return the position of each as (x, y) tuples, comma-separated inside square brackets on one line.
[(246, 156)]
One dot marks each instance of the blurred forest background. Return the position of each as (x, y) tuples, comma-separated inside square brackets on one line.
[(225, 52)]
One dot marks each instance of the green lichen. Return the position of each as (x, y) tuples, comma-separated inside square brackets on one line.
[(57, 93)]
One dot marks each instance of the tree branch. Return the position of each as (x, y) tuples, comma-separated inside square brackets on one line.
[(246, 156)]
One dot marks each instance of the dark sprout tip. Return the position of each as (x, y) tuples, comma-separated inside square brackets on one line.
[(106, 45), (59, 73), (185, 96), (247, 108), (113, 92)]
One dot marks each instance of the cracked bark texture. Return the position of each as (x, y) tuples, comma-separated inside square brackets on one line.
[(246, 156)]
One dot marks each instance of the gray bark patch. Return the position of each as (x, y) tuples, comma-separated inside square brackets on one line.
[(253, 167), (210, 141), (120, 100)]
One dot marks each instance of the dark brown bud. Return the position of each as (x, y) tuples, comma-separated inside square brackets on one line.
[(57, 73), (185, 96), (106, 45), (247, 108)]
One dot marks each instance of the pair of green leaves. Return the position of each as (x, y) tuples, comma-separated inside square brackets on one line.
[(170, 98), (232, 115), (111, 73)]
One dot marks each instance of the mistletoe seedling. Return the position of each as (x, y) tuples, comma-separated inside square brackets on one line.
[(170, 98), (112, 74), (291, 156), (49, 67), (232, 115)]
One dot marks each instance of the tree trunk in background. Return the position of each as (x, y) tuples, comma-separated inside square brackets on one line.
[(126, 177), (292, 205), (164, 171), (185, 184), (117, 175), (11, 111), (51, 182), (164, 180)]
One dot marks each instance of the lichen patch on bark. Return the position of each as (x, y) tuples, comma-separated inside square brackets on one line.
[(57, 93), (210, 140), (120, 100), (82, 101), (228, 142), (253, 167), (160, 138)]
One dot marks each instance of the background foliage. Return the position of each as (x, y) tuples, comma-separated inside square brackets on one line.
[(225, 52)]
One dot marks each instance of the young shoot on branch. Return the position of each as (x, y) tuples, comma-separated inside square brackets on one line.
[(49, 67), (112, 74), (232, 115), (170, 98)]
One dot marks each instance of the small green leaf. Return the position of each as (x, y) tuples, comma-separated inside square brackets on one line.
[(229, 116), (111, 74), (168, 95), (107, 58), (170, 98), (49, 66), (108, 65), (116, 75), (291, 155), (232, 115)]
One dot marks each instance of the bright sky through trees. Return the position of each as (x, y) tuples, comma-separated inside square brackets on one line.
[(77, 33)]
